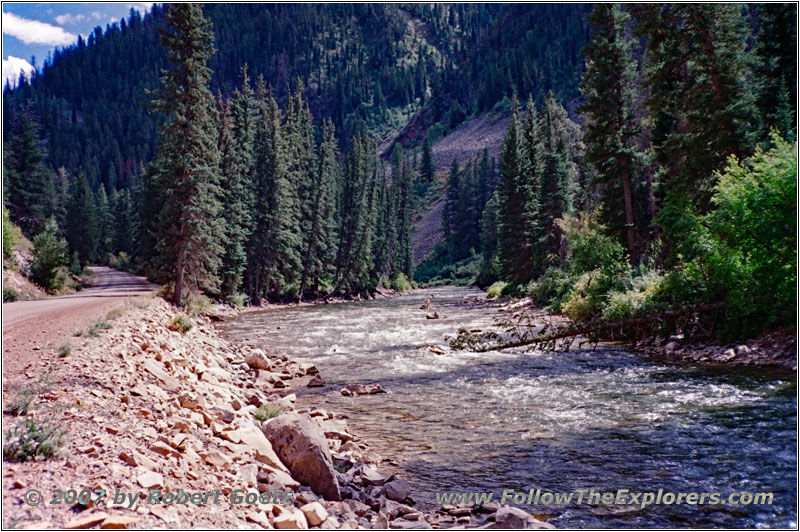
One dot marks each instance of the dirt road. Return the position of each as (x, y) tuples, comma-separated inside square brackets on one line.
[(30, 327)]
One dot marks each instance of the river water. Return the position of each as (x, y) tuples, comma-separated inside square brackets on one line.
[(605, 419)]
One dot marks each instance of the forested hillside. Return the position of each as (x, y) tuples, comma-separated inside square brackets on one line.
[(616, 192)]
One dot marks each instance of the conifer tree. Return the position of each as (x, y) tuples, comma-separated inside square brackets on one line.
[(404, 256), (700, 101), (189, 227), (27, 186), (319, 242), (236, 147), (510, 209), (449, 211), (609, 87), (427, 166), (81, 230), (105, 225)]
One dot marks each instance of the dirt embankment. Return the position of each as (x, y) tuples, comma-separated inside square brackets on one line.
[(159, 405)]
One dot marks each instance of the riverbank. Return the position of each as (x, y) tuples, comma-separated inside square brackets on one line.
[(160, 401), (772, 349)]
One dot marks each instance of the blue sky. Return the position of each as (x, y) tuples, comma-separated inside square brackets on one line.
[(34, 29)]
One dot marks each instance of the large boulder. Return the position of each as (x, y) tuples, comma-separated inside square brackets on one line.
[(362, 389), (301, 445)]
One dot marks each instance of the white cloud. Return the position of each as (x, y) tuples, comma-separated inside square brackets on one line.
[(69, 19), (143, 7), (96, 15), (35, 32), (12, 67)]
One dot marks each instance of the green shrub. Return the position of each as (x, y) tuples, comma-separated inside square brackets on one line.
[(32, 439), (400, 282), (11, 235), (236, 300), (551, 289), (9, 294), (267, 411), (49, 257), (181, 323), (496, 289), (196, 304)]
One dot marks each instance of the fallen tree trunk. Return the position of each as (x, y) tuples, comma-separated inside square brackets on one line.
[(481, 342)]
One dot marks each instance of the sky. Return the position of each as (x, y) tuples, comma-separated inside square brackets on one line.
[(35, 29)]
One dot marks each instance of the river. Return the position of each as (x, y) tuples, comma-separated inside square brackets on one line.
[(605, 419)]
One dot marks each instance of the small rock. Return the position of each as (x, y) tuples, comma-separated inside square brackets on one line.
[(257, 359), (315, 513), (87, 521), (671, 347), (397, 490), (119, 521), (362, 389), (315, 382), (291, 519), (150, 480), (510, 517)]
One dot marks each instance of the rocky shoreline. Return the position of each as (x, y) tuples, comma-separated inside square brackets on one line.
[(159, 404)]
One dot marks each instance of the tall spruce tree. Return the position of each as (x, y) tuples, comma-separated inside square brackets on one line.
[(319, 242), (81, 229), (189, 227), (404, 255), (700, 100), (510, 210), (609, 88), (427, 168), (236, 147), (27, 185)]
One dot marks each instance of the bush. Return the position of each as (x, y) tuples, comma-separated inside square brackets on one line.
[(49, 257), (196, 304), (181, 323), (400, 282), (9, 294), (64, 350), (122, 262), (496, 289), (267, 411), (236, 300), (11, 235), (551, 289), (33, 439), (289, 292)]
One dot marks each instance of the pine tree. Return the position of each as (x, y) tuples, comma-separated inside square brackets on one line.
[(81, 228), (450, 209), (186, 167), (105, 226), (510, 210), (236, 147), (557, 176), (776, 68), (700, 102), (404, 256), (609, 87), (427, 166), (320, 240), (27, 186)]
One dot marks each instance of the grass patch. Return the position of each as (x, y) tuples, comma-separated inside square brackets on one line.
[(114, 314), (197, 304), (181, 323), (267, 411), (96, 328), (64, 350), (141, 302), (31, 439), (23, 398)]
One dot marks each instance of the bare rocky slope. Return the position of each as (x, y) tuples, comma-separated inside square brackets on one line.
[(162, 416), (465, 142)]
